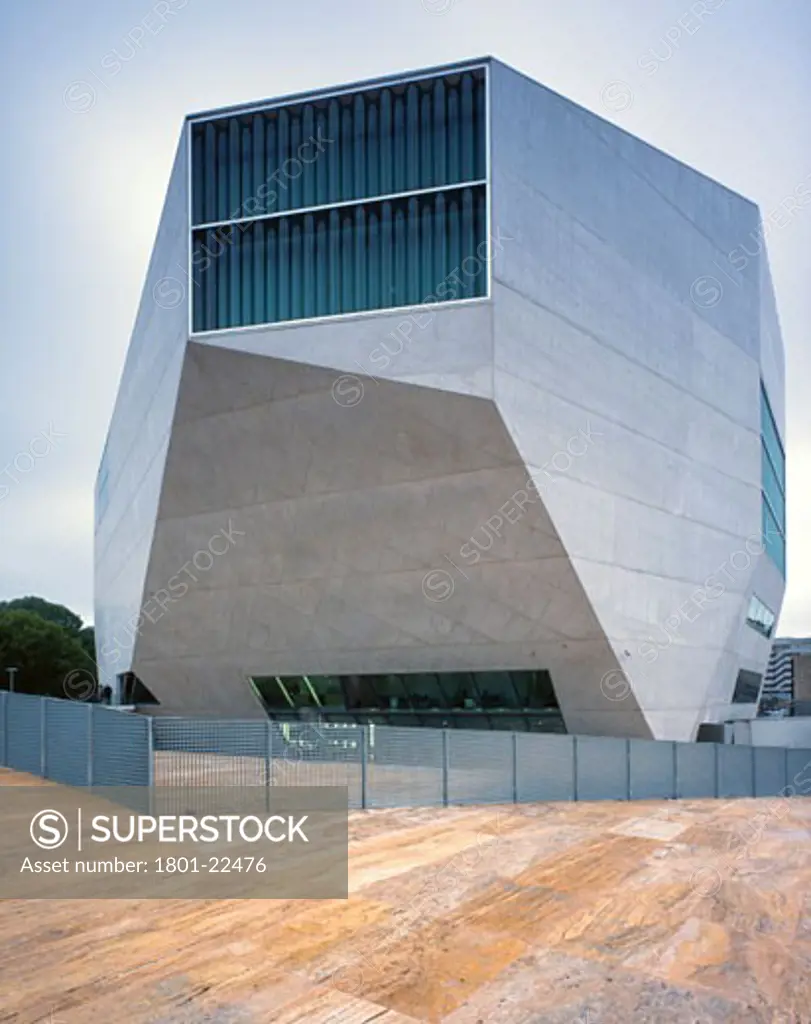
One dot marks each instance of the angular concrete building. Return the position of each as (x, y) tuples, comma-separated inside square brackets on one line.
[(450, 403)]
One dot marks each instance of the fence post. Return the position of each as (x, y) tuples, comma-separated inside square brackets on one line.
[(754, 770), (363, 767), (43, 737), (574, 767), (627, 769), (150, 746), (445, 767), (515, 766), (90, 720), (715, 771), (675, 770), (4, 762), (785, 763), (268, 761)]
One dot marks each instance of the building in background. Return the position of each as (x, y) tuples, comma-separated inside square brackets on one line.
[(447, 402), (787, 686)]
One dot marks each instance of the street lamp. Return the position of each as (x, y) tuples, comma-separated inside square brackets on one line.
[(11, 673)]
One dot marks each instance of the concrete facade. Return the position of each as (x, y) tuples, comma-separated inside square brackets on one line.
[(563, 475)]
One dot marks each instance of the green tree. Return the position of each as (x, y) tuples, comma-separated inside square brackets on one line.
[(87, 638), (56, 613), (48, 659)]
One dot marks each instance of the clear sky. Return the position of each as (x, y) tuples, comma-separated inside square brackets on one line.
[(93, 97)]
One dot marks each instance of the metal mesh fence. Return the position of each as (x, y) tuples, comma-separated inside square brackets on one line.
[(480, 773), (3, 728), (695, 770), (544, 768), (736, 774), (406, 767), (652, 770), (798, 767), (310, 754), (24, 733), (121, 749), (211, 752), (381, 766), (770, 770), (68, 750), (602, 768), (73, 742)]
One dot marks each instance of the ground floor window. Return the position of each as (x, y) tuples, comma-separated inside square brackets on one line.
[(515, 700)]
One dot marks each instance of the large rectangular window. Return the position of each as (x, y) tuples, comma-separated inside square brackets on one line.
[(369, 200), (773, 485), (760, 617), (517, 700), (747, 687)]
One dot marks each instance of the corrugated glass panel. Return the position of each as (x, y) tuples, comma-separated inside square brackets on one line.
[(293, 173), (306, 265), (297, 282), (258, 158), (208, 175), (233, 172), (380, 250), (266, 192), (421, 135), (281, 173), (386, 136), (220, 175), (259, 251), (373, 151)]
